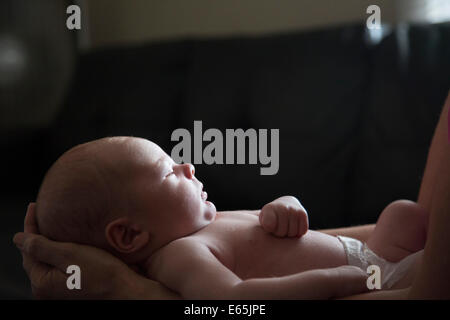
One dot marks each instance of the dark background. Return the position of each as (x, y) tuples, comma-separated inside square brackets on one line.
[(355, 116)]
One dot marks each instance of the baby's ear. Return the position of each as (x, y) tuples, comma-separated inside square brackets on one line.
[(126, 236)]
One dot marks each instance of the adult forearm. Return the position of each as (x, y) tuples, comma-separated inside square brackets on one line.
[(437, 159), (433, 279), (126, 284), (361, 233)]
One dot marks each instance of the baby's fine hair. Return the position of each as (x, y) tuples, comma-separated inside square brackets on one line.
[(74, 199)]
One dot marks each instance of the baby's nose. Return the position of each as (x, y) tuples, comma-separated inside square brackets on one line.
[(189, 170)]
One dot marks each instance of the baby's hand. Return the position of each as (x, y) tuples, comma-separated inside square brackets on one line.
[(284, 217)]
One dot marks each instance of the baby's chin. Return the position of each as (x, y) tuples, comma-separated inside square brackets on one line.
[(210, 211)]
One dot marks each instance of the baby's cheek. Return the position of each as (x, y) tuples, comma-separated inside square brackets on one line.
[(189, 205)]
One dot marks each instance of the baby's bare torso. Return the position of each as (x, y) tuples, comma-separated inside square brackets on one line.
[(239, 242)]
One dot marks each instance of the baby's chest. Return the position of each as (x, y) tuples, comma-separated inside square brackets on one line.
[(240, 244)]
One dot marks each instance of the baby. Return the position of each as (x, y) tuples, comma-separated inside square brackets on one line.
[(127, 196)]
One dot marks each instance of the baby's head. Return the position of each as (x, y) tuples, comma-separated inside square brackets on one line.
[(122, 194)]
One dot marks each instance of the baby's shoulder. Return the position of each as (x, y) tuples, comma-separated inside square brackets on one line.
[(178, 252), (186, 243), (182, 248)]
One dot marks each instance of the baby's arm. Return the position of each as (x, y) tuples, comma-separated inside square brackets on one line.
[(284, 217), (193, 271)]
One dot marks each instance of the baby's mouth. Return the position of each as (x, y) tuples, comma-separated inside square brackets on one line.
[(203, 194)]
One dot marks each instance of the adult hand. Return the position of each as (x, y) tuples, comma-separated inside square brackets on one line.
[(103, 276)]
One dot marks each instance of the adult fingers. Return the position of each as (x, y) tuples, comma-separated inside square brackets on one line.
[(36, 271), (30, 224), (43, 250), (47, 282), (44, 279), (33, 267)]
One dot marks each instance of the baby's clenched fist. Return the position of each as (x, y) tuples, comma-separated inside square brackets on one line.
[(284, 217)]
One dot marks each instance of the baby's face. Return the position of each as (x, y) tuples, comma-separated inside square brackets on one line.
[(171, 200)]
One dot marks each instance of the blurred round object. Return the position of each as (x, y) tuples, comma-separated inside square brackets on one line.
[(13, 60), (422, 11), (37, 58)]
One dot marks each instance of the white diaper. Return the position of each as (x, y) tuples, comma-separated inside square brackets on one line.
[(359, 255)]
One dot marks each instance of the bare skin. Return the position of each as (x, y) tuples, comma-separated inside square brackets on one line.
[(432, 277), (427, 283), (270, 246), (234, 248), (165, 209), (167, 228), (118, 280)]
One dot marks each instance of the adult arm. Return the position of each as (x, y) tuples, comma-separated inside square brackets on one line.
[(433, 277), (361, 233)]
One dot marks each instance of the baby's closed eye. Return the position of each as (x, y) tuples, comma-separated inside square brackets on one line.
[(170, 173)]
